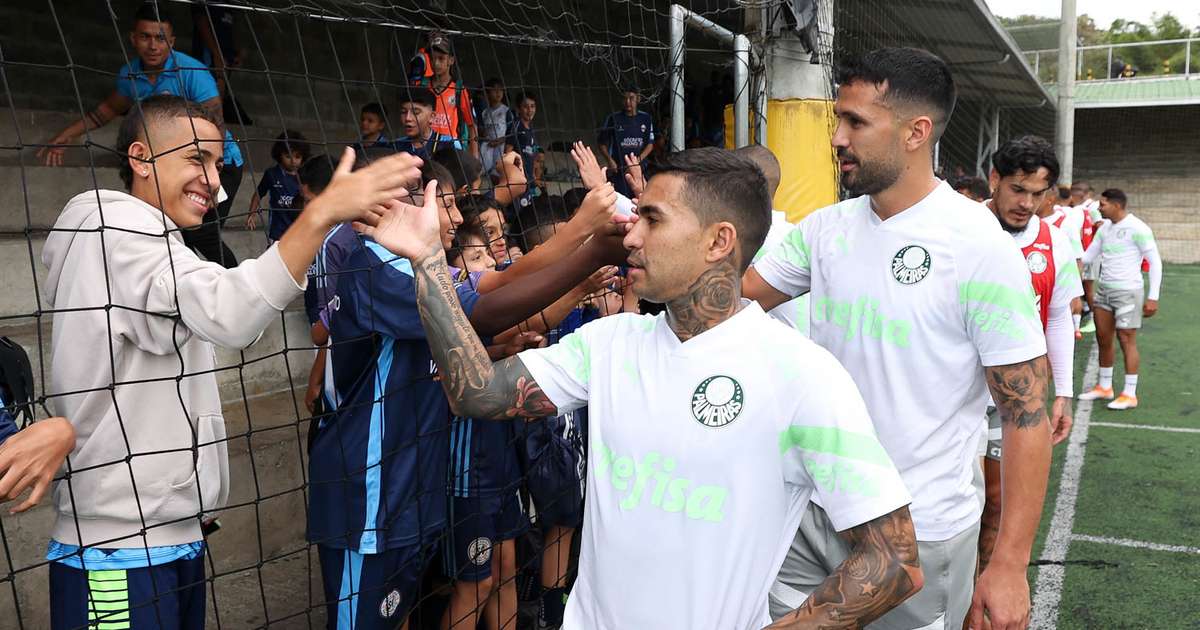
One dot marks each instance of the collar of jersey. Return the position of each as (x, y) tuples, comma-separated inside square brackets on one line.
[(908, 213)]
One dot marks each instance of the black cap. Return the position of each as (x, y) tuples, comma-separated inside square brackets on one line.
[(439, 42)]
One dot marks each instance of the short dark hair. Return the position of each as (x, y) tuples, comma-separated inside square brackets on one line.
[(573, 199), (473, 206), (419, 95), (493, 82), (1116, 195), (1084, 186), (911, 75), (544, 212), (374, 108), (431, 170), (1026, 154), (464, 168), (1064, 192), (153, 111), (720, 185), (149, 12), (527, 95), (289, 141), (460, 234), (630, 88), (316, 172), (977, 186)]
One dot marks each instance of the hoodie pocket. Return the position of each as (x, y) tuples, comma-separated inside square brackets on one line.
[(211, 472)]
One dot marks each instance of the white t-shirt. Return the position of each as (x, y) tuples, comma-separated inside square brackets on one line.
[(794, 312), (702, 458), (1120, 248), (914, 307), (1072, 226)]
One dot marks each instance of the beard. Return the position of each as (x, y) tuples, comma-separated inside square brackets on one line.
[(869, 178), (1010, 228)]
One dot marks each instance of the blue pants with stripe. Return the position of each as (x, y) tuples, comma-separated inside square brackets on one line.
[(369, 591), (168, 596)]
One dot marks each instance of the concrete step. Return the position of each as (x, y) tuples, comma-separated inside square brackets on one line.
[(260, 555)]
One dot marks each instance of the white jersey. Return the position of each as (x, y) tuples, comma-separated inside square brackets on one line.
[(492, 125), (914, 307), (794, 312), (702, 458), (1120, 248), (1071, 226)]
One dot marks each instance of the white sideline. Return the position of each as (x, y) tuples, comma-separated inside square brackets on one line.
[(1148, 427), (1047, 591), (1137, 544)]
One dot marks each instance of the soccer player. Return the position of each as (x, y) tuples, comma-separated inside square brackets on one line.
[(794, 312), (1121, 300), (1087, 210), (924, 299), (159, 69), (711, 425), (150, 458), (627, 132), (1023, 175)]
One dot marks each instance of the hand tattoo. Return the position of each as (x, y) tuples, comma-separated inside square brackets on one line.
[(476, 387), (712, 299), (1019, 391), (881, 571)]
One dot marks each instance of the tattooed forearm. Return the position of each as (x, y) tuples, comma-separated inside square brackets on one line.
[(711, 299), (475, 386), (1019, 391), (881, 571)]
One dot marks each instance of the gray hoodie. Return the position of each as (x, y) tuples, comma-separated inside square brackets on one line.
[(136, 316)]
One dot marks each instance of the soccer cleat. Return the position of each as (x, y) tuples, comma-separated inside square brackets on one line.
[(1123, 402), (1097, 392)]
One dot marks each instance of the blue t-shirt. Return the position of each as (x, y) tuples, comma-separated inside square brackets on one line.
[(624, 134), (181, 76), (426, 150), (522, 139), (377, 469), (327, 269), (282, 192)]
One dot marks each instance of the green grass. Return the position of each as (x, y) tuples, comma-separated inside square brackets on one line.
[(1139, 484)]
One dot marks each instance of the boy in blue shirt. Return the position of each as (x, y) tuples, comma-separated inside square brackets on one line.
[(159, 69), (416, 116), (281, 185), (372, 125), (627, 132)]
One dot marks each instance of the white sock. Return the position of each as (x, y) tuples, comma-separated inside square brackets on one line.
[(1106, 377), (1076, 318), (1130, 385)]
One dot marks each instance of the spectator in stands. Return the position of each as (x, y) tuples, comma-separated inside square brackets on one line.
[(453, 118), (159, 69), (372, 125), (150, 461), (539, 171), (520, 136), (416, 113), (31, 457), (487, 214), (280, 185), (623, 133), (973, 188), (496, 120), (214, 44)]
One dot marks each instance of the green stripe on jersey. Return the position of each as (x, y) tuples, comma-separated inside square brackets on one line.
[(794, 249), (833, 441), (999, 295)]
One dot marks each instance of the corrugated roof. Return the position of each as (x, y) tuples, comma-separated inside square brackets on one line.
[(1040, 36), (1136, 92)]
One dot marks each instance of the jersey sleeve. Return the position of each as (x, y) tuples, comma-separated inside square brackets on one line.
[(466, 115), (264, 187), (564, 370), (387, 296), (997, 302), (1144, 241), (1067, 283), (830, 444), (787, 266)]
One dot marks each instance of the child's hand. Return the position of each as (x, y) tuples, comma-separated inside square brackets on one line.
[(252, 220), (590, 171), (597, 209), (635, 176)]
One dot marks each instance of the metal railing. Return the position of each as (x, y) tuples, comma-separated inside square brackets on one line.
[(1169, 58)]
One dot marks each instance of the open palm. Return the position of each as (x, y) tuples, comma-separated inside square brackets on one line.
[(407, 230)]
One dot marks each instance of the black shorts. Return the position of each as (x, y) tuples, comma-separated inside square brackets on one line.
[(476, 528)]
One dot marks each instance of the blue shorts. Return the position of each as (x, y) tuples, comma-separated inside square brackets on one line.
[(474, 532), (368, 591), (169, 596), (555, 458)]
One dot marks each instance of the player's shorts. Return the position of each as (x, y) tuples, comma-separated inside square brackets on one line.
[(476, 533), (1125, 305), (1091, 271), (169, 596), (994, 433), (948, 565), (375, 590)]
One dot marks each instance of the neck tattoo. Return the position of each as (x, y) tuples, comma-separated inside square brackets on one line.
[(713, 298)]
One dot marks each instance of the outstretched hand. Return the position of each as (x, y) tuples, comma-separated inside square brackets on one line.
[(358, 195), (412, 232), (635, 175), (590, 171)]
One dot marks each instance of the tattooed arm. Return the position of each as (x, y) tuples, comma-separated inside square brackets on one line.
[(881, 571), (1019, 391)]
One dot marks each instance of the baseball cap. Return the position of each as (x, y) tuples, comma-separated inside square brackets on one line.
[(439, 42)]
